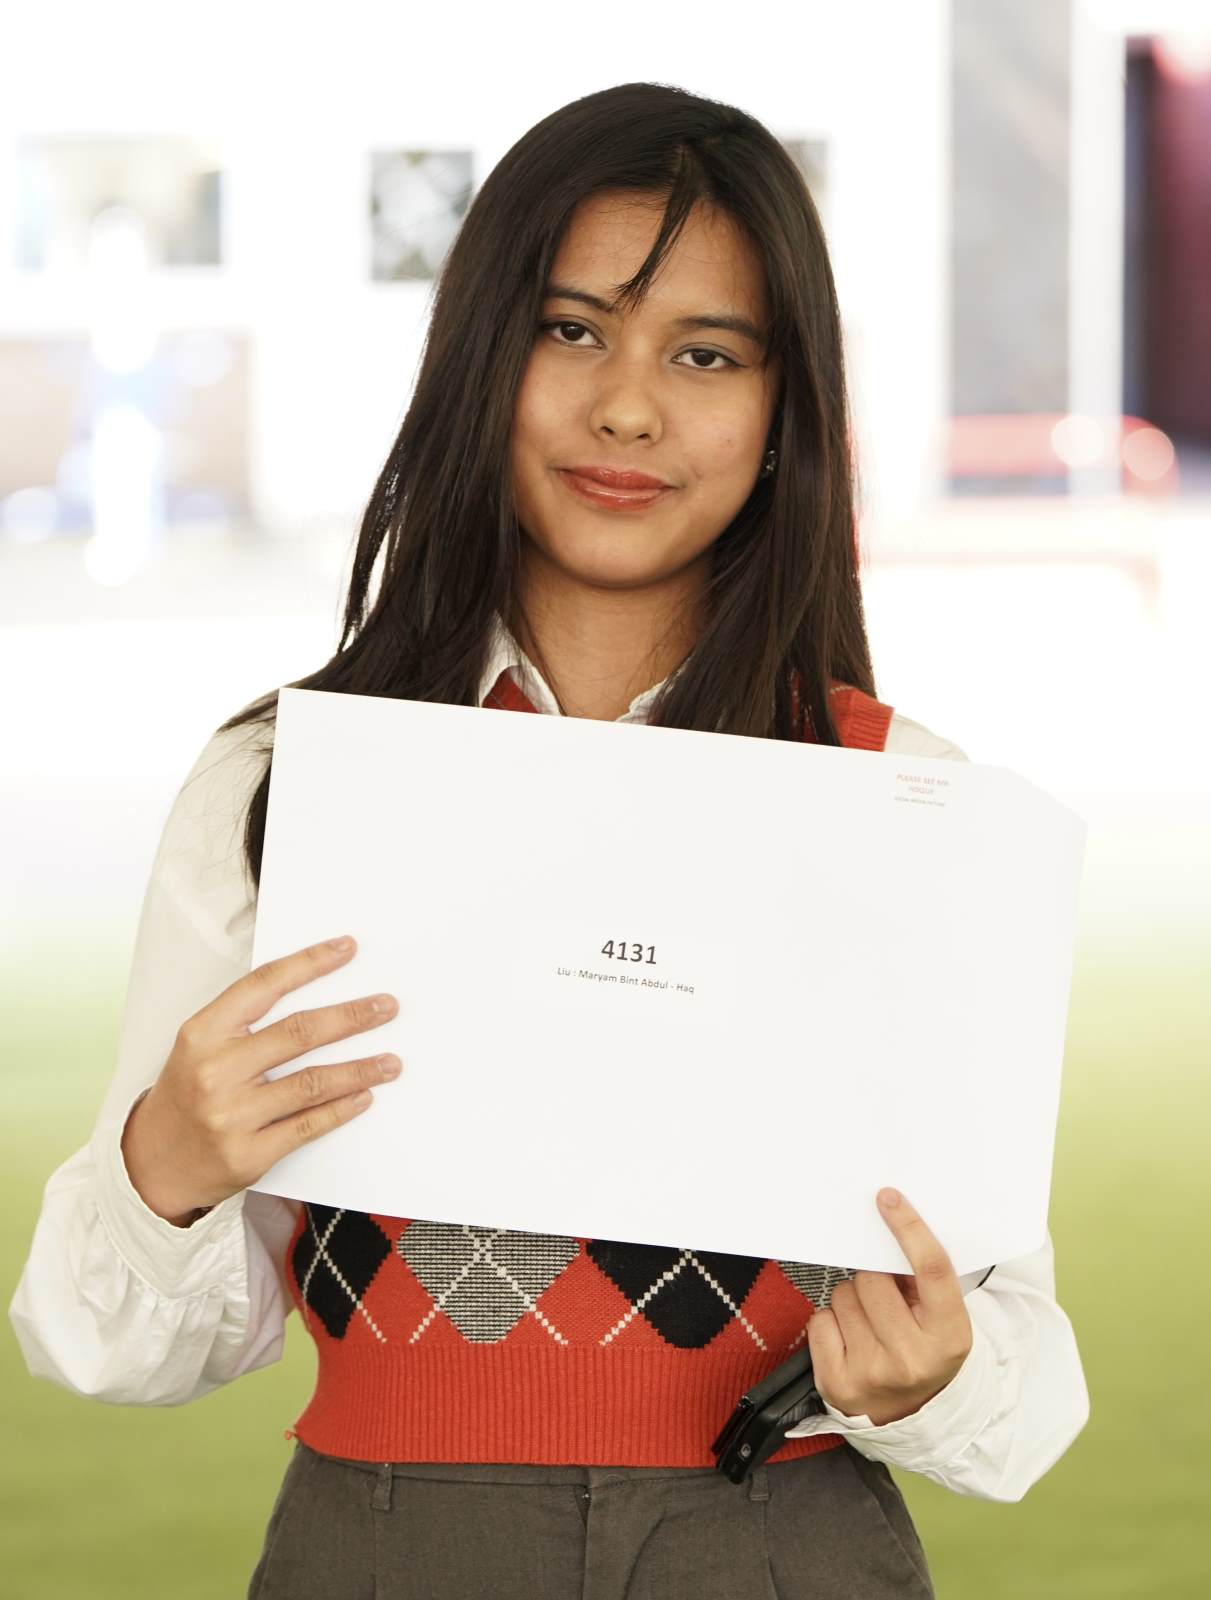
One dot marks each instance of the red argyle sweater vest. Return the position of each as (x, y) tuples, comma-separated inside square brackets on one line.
[(450, 1342)]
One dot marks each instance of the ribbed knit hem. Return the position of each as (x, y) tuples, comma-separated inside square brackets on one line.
[(558, 1407)]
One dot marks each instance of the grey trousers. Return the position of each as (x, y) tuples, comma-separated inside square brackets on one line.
[(831, 1526)]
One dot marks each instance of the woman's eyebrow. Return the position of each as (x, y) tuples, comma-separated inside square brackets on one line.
[(723, 321)]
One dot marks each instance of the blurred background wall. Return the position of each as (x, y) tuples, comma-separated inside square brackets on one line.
[(219, 229)]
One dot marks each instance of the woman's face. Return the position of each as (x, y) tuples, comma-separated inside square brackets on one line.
[(691, 406)]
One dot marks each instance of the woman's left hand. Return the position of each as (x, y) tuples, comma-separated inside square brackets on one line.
[(889, 1341)]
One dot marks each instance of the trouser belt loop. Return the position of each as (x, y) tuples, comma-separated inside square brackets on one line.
[(760, 1485), (382, 1489)]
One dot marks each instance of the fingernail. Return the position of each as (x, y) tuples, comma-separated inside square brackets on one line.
[(340, 944), (889, 1198)]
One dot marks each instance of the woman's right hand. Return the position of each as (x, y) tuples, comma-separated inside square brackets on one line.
[(211, 1125)]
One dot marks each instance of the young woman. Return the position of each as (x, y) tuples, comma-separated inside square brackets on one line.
[(623, 490)]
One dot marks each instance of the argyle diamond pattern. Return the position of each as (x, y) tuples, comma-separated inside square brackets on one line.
[(817, 1283), (688, 1296), (485, 1280), (335, 1259)]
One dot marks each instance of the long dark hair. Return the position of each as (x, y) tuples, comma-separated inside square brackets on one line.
[(783, 596)]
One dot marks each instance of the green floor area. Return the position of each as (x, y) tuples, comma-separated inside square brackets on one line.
[(109, 1503)]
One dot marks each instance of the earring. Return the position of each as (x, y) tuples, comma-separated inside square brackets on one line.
[(771, 461)]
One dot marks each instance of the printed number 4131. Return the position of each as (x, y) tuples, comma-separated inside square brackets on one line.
[(616, 949)]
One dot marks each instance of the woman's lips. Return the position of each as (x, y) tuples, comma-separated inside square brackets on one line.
[(611, 499)]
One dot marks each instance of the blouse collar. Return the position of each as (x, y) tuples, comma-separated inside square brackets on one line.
[(505, 654)]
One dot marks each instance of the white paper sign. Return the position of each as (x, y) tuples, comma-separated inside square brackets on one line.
[(673, 987)]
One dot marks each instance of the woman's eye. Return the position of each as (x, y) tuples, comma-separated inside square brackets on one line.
[(579, 326), (562, 323)]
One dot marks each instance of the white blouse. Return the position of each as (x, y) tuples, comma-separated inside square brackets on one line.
[(117, 1304)]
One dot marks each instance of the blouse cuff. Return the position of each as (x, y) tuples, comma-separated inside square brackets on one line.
[(940, 1430), (175, 1262)]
